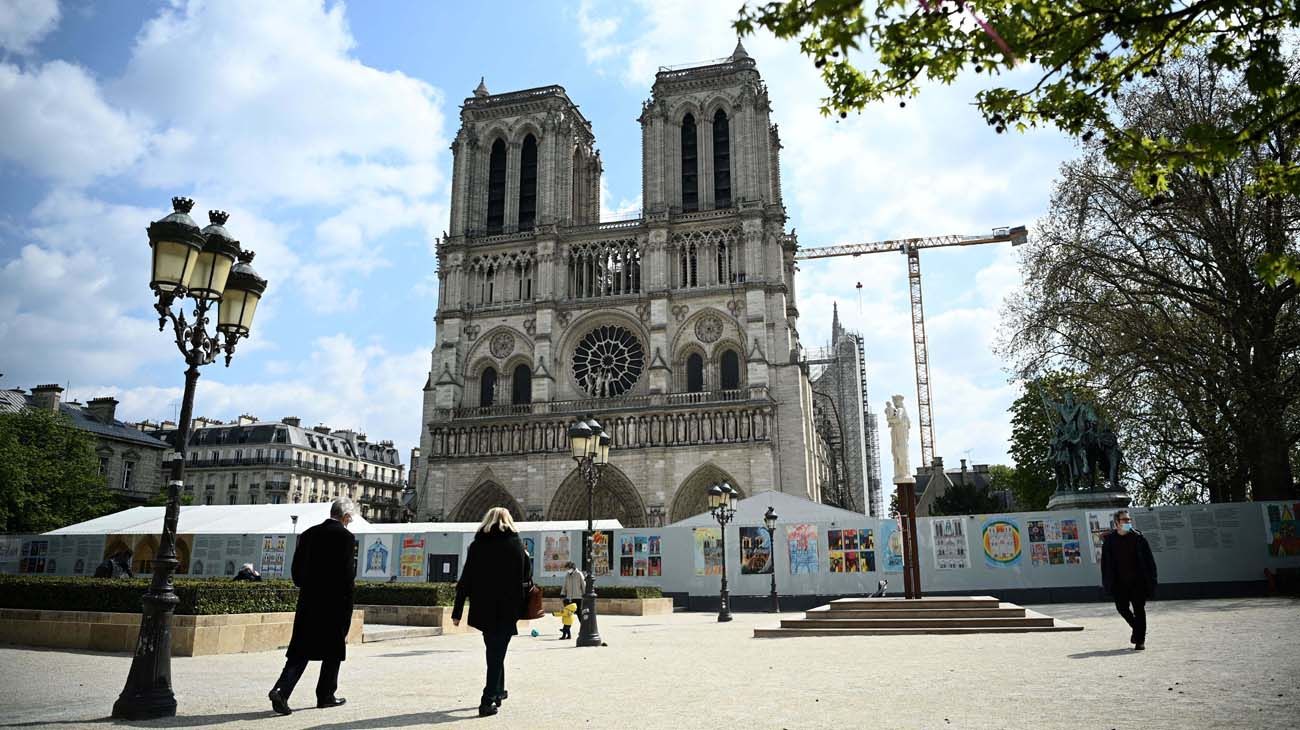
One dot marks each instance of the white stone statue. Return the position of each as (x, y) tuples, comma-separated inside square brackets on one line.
[(899, 425)]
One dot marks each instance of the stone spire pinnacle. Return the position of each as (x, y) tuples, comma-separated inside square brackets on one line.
[(835, 323), (739, 53), (481, 91)]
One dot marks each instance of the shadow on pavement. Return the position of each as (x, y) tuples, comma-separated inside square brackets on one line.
[(409, 720), (1101, 652), (179, 721)]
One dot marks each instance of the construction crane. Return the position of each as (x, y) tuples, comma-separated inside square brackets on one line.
[(911, 247)]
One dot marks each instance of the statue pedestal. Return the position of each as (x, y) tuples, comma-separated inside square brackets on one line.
[(1089, 500)]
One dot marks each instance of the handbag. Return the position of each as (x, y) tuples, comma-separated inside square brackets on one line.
[(532, 609), (532, 602)]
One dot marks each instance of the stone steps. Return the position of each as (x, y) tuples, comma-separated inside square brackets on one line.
[(903, 617), (1004, 610), (381, 632)]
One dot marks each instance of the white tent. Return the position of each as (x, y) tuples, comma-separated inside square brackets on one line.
[(212, 519), (789, 508), (418, 527), (277, 519)]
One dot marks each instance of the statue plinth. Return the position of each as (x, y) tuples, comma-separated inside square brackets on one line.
[(1108, 499)]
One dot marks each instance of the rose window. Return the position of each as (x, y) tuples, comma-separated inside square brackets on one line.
[(608, 361)]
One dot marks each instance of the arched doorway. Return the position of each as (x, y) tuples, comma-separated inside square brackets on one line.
[(692, 497), (482, 498), (614, 498)]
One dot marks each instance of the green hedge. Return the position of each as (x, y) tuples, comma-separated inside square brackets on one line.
[(404, 594), (197, 596), (612, 591), (208, 597)]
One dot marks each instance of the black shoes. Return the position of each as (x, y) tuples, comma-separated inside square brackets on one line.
[(331, 702), (486, 707), (278, 702), (1139, 647), (500, 698)]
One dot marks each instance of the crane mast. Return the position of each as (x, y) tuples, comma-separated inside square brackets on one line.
[(911, 247)]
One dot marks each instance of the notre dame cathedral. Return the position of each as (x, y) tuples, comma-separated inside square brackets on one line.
[(676, 330)]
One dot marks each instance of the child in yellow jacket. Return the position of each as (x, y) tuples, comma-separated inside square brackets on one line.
[(566, 616)]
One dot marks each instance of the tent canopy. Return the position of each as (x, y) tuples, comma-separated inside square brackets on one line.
[(212, 519), (789, 508), (276, 519)]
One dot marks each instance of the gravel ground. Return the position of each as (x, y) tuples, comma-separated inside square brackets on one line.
[(1209, 664)]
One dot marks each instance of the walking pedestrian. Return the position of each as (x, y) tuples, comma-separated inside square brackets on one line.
[(496, 568), (573, 587), (248, 572), (323, 572), (1128, 573)]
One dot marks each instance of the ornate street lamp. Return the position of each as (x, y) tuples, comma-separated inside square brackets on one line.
[(769, 521), (207, 268), (722, 501), (590, 448)]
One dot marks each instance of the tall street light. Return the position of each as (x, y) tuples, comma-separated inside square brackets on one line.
[(205, 269), (769, 521), (722, 501), (590, 445)]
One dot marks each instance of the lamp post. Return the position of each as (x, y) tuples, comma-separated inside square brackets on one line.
[(722, 500), (590, 446), (769, 521), (207, 268)]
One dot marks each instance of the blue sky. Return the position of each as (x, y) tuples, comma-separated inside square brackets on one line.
[(324, 130)]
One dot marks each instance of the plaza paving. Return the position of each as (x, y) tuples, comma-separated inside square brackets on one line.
[(1209, 664)]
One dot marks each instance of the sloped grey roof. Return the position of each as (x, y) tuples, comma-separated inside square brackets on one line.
[(264, 433), (16, 401)]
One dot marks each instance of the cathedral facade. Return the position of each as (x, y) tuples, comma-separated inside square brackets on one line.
[(677, 330)]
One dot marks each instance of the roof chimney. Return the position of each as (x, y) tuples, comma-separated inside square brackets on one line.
[(103, 409), (247, 420), (46, 397), (291, 421)]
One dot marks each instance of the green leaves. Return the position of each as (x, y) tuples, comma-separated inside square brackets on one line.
[(49, 474), (1084, 54)]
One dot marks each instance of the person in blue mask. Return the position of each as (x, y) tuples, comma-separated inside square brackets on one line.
[(1128, 573)]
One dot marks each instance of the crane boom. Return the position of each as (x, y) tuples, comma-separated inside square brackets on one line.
[(1014, 235), (911, 247)]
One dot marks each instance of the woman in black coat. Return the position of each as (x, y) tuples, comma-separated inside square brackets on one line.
[(496, 568)]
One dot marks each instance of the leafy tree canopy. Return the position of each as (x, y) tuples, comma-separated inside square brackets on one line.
[(965, 499), (49, 474), (1083, 53)]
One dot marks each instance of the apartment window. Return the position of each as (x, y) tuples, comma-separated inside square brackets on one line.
[(128, 469), (252, 499), (234, 498), (103, 466)]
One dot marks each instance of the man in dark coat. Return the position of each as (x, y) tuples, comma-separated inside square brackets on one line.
[(1128, 573), (496, 568), (323, 571)]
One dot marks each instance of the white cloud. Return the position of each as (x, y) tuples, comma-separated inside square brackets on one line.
[(366, 388), (23, 23), (260, 109), (59, 126)]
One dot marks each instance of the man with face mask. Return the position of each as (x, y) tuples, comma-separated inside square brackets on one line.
[(1128, 573)]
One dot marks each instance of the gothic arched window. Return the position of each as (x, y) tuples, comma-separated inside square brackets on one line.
[(721, 161), (528, 183), (694, 373), (487, 387), (521, 386), (496, 193), (690, 165), (730, 370)]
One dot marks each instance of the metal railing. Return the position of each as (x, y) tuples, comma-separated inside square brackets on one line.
[(598, 405)]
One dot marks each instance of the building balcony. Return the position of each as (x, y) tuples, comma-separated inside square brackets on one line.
[(715, 418), (584, 406)]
